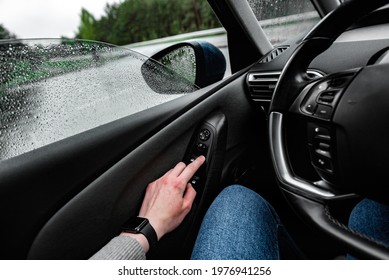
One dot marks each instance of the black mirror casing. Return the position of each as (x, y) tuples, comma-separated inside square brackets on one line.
[(209, 63)]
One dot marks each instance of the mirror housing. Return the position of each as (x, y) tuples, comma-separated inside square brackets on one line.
[(199, 62)]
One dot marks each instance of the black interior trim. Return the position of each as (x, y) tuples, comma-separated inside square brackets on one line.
[(241, 49), (318, 215)]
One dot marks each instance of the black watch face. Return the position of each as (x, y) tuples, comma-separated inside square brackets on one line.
[(136, 223)]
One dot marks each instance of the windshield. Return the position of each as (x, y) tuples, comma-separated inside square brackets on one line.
[(284, 19), (53, 89)]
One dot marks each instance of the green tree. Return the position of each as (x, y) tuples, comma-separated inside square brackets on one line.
[(5, 34), (103, 27), (86, 30), (139, 20)]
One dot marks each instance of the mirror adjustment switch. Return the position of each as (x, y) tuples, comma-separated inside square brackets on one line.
[(204, 134)]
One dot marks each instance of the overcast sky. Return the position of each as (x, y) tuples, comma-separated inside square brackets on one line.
[(47, 18)]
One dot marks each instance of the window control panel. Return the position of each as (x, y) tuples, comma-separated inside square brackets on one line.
[(201, 144)]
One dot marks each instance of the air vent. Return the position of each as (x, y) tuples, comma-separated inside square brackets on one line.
[(273, 54), (262, 84)]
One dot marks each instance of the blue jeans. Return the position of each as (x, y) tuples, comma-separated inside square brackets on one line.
[(371, 219), (240, 224)]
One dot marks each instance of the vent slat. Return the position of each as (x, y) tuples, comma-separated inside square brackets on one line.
[(273, 54), (262, 85)]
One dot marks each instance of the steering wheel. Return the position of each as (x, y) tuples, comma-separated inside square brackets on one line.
[(342, 119)]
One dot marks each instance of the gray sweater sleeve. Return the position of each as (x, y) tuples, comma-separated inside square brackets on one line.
[(121, 248)]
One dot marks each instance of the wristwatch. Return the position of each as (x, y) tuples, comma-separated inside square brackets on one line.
[(142, 225)]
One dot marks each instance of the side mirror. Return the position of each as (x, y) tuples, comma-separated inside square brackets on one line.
[(200, 62)]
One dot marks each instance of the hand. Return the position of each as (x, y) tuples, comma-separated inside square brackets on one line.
[(169, 199)]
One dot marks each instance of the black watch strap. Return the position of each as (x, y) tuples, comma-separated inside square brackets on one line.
[(142, 225)]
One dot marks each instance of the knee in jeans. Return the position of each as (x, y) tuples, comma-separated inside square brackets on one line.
[(242, 196), (236, 192)]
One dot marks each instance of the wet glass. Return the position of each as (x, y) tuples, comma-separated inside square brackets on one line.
[(284, 19), (53, 89), (183, 61)]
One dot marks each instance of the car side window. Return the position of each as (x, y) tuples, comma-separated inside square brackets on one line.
[(284, 19), (54, 89)]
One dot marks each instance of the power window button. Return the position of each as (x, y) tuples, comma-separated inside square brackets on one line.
[(192, 158), (195, 181), (201, 147)]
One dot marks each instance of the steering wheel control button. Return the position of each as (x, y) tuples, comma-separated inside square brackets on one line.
[(204, 135), (321, 133), (327, 97), (321, 99), (310, 107), (310, 104), (322, 163), (323, 112), (325, 153), (324, 146), (318, 132), (320, 148)]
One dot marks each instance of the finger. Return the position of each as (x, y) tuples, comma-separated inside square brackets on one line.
[(191, 169), (177, 170), (189, 196), (167, 173)]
